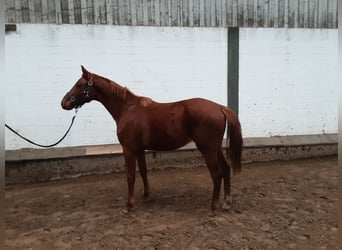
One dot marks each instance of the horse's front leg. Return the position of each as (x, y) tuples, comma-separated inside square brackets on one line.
[(130, 159), (143, 172)]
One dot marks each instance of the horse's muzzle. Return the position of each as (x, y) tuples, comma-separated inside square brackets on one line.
[(66, 103)]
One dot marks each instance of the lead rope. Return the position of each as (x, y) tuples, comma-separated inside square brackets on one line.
[(45, 146)]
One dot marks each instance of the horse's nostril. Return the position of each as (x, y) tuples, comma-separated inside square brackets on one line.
[(64, 102)]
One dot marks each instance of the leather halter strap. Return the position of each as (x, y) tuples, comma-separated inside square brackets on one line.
[(85, 92)]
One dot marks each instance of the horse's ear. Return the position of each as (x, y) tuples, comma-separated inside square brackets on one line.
[(85, 72)]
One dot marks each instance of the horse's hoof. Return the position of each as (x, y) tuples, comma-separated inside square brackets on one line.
[(146, 195), (125, 211), (213, 212), (129, 206), (226, 206), (213, 209), (227, 203), (215, 205)]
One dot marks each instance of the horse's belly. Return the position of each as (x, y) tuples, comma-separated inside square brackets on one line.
[(166, 142), (165, 127)]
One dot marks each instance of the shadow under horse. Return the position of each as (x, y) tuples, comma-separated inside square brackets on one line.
[(143, 124)]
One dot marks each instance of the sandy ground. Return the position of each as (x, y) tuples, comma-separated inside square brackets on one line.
[(277, 205)]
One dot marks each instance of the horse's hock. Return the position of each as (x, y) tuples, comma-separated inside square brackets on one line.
[(37, 165)]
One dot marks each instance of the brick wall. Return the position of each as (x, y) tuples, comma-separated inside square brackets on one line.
[(43, 62), (288, 81), (288, 78)]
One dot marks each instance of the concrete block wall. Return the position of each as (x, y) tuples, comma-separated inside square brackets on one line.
[(288, 81), (287, 77), (43, 62)]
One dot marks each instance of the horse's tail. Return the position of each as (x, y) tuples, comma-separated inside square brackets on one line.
[(235, 139)]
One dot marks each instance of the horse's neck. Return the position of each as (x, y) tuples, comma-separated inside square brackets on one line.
[(112, 96)]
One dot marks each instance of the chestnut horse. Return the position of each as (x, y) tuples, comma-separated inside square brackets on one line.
[(143, 124)]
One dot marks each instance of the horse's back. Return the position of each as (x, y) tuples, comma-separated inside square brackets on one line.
[(199, 108), (195, 110)]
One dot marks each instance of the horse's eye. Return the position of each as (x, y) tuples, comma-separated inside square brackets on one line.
[(78, 85)]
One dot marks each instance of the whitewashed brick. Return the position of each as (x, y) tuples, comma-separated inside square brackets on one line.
[(288, 81), (43, 62), (288, 77)]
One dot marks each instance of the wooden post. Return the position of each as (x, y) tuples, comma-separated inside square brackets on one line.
[(233, 69)]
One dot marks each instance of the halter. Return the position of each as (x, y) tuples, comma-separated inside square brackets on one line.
[(85, 92), (89, 85)]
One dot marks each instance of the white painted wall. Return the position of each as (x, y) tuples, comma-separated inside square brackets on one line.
[(288, 78), (43, 62), (288, 81)]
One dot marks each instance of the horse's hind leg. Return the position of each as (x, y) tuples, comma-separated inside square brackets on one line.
[(226, 177), (143, 172), (212, 161)]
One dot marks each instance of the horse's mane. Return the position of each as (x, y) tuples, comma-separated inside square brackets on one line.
[(121, 92), (117, 90)]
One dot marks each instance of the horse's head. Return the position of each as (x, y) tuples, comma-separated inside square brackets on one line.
[(80, 93)]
